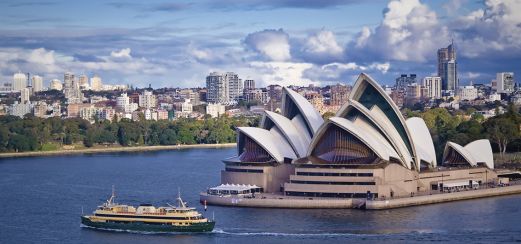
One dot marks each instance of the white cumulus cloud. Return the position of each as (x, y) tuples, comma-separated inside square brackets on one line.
[(271, 44), (323, 43), (123, 53)]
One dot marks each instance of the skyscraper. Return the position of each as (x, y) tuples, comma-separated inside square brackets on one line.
[(68, 82), (451, 76), (19, 81), (223, 88), (37, 82), (447, 67)]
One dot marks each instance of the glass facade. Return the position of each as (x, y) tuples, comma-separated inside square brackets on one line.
[(337, 146), (455, 159), (252, 152)]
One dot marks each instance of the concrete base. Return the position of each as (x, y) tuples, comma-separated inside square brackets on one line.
[(439, 198), (280, 201)]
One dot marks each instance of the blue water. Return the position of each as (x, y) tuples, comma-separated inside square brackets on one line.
[(41, 201)]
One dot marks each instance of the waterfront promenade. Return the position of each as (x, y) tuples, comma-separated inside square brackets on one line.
[(280, 201)]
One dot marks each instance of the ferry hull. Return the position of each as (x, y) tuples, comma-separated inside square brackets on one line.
[(140, 226)]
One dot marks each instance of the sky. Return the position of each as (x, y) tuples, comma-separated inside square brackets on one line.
[(286, 42)]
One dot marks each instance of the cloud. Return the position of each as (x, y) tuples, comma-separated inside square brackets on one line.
[(52, 64), (32, 3), (271, 44), (334, 72), (151, 7), (170, 7), (494, 31), (406, 24), (121, 54), (453, 6), (321, 46), (277, 4), (282, 73)]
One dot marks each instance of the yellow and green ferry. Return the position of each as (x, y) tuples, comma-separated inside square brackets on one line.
[(148, 218)]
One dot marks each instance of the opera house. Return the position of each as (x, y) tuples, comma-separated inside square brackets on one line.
[(367, 150)]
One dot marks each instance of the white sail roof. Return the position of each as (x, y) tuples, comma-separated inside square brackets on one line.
[(422, 140), (481, 151), (278, 149), (367, 92), (296, 139), (312, 117), (461, 150)]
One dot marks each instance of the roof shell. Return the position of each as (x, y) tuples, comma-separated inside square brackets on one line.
[(384, 126), (312, 117), (461, 150), (422, 140), (296, 139), (264, 138), (481, 151), (357, 93)]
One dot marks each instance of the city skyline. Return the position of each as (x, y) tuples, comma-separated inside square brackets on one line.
[(178, 44)]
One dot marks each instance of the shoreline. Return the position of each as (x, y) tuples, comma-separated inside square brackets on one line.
[(112, 149), (271, 200)]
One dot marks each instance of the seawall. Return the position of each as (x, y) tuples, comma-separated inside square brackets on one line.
[(439, 198), (281, 202)]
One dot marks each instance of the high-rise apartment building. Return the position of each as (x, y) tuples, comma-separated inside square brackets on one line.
[(25, 93), (95, 83), (447, 67), (83, 81), (504, 82), (37, 83), (223, 88), (413, 92), (147, 100), (403, 81), (19, 81), (249, 85), (433, 85)]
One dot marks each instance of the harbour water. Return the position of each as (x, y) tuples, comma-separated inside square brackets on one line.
[(41, 200)]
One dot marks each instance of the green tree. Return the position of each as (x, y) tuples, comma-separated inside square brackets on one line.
[(501, 131)]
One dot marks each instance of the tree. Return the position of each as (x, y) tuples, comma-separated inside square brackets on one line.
[(501, 131), (328, 115)]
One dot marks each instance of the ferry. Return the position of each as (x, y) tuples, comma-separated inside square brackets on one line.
[(145, 217)]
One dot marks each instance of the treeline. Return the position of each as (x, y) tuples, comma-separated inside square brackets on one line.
[(33, 133), (463, 127)]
